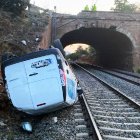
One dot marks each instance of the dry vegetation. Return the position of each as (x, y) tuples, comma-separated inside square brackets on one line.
[(13, 30)]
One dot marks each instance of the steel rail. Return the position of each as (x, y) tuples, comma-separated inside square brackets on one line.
[(95, 131), (124, 78), (112, 87), (129, 74)]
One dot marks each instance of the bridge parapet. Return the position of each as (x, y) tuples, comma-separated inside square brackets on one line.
[(103, 15)]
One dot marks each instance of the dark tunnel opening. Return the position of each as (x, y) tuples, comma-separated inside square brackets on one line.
[(113, 49)]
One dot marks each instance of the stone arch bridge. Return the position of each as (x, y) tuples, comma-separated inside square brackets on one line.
[(115, 36)]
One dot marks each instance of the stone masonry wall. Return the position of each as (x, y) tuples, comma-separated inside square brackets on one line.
[(128, 24)]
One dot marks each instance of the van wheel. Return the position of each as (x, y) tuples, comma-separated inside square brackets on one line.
[(57, 44), (80, 92), (79, 89)]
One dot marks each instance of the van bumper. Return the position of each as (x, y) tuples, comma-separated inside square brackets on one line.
[(46, 109)]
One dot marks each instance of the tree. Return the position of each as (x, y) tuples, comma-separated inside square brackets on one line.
[(14, 6), (72, 56), (124, 6), (79, 52), (94, 8), (86, 8), (91, 51)]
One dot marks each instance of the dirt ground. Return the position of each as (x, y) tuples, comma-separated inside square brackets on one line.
[(19, 35)]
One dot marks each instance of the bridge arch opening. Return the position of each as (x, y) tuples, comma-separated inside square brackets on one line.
[(81, 53), (113, 49)]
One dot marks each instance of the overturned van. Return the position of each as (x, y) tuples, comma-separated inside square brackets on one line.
[(40, 82)]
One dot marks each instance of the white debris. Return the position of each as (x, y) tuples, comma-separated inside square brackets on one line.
[(37, 39), (33, 24), (26, 126), (24, 42), (2, 124), (55, 119)]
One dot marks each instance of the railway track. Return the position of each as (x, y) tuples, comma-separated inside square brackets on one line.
[(128, 87), (82, 131), (129, 77), (101, 113), (136, 75), (116, 116)]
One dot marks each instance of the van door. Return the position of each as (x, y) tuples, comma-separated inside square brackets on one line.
[(44, 81), (18, 88)]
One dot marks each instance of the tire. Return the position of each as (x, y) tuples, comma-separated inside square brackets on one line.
[(79, 89), (57, 44), (80, 92)]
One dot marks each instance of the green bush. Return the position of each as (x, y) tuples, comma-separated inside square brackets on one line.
[(72, 56)]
